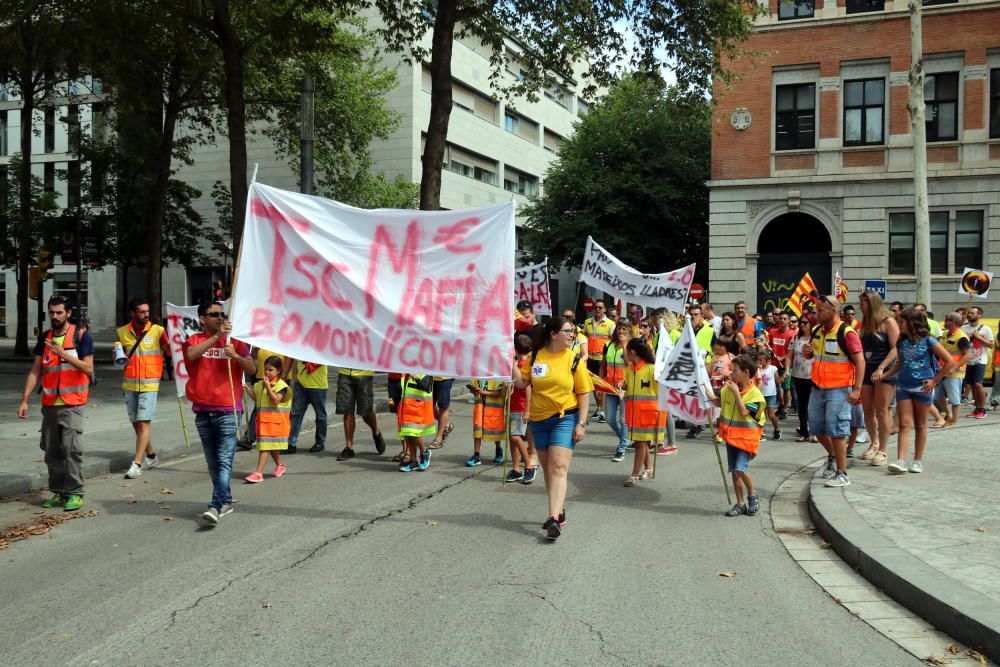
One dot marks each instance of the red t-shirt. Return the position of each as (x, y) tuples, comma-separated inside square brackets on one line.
[(208, 386), (518, 398), (779, 341)]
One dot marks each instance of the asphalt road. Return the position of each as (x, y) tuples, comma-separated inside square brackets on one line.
[(353, 563)]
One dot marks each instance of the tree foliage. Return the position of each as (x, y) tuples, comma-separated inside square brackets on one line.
[(633, 176)]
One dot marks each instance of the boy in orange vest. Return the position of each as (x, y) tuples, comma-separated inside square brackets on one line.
[(741, 425)]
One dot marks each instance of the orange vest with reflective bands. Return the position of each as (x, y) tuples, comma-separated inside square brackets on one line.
[(489, 414), (146, 365), (739, 431), (415, 416), (831, 367), (642, 409), (59, 378), (598, 334), (614, 364), (274, 421), (749, 325)]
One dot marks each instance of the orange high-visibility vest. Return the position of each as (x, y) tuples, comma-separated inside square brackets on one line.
[(950, 343), (415, 416), (739, 431), (831, 367), (146, 365), (614, 364), (643, 417), (59, 378), (748, 328), (598, 334), (489, 420), (274, 421)]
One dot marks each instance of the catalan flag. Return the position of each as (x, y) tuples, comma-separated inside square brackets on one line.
[(801, 298), (602, 385), (840, 288)]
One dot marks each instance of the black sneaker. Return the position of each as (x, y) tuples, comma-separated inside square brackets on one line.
[(529, 476), (514, 476), (244, 445), (694, 432), (777, 434), (317, 448), (562, 518), (379, 443), (552, 528), (347, 453), (618, 457), (292, 449), (753, 505)]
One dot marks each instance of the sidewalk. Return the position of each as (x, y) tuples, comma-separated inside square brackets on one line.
[(930, 541)]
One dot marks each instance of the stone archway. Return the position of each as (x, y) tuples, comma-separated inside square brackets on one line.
[(789, 246)]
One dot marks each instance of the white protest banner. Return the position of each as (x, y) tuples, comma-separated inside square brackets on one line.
[(182, 322), (531, 283), (683, 378), (975, 283), (604, 271), (383, 290)]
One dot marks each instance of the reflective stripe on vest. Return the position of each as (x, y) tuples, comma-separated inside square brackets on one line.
[(415, 416), (748, 328), (59, 378), (739, 431), (146, 364), (831, 367), (642, 409), (598, 334), (950, 343), (614, 360), (274, 422)]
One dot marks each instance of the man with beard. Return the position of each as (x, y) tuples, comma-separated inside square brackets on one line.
[(147, 347), (981, 337), (64, 359)]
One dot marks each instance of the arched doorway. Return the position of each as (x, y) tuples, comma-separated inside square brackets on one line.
[(789, 246)]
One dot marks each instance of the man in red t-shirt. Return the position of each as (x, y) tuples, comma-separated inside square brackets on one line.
[(216, 365), (780, 339)]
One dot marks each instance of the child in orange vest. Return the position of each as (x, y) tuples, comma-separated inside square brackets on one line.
[(273, 398), (489, 419), (741, 426)]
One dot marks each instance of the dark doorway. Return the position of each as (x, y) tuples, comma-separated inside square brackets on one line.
[(790, 246)]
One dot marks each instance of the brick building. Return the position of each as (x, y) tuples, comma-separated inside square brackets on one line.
[(812, 156)]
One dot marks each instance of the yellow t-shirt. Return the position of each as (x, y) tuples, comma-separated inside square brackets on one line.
[(554, 385), (355, 373), (316, 380)]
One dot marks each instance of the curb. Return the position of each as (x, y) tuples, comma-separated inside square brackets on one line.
[(951, 606)]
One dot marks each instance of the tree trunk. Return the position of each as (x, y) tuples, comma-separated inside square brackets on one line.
[(158, 212), (437, 125), (24, 202), (236, 117)]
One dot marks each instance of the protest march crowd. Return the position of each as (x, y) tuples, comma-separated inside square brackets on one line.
[(849, 376)]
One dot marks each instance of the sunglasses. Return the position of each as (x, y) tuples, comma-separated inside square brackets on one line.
[(218, 314)]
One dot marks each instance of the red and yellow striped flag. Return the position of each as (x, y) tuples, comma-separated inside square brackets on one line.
[(801, 298), (602, 385)]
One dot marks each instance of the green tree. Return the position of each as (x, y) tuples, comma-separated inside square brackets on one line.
[(692, 37), (633, 176)]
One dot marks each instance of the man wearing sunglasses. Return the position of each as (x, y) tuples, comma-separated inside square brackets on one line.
[(216, 365)]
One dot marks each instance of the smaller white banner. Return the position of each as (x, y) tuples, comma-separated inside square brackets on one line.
[(604, 271), (683, 380), (531, 283), (182, 322)]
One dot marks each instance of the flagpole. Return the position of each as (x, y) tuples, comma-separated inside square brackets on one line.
[(722, 470)]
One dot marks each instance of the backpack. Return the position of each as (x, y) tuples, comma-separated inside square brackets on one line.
[(841, 337)]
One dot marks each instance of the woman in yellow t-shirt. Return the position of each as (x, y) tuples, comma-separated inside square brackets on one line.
[(560, 388)]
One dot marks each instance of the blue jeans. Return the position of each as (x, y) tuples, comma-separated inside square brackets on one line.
[(829, 412), (615, 410), (556, 431), (218, 440), (302, 398)]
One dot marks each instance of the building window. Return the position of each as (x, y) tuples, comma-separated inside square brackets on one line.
[(49, 176), (927, 3), (901, 243), (795, 117), (795, 9), (64, 284), (859, 6), (467, 163), (968, 239), (4, 122), (939, 242), (520, 183), (552, 142), (521, 126), (941, 99), (50, 130), (864, 112), (995, 103), (73, 184)]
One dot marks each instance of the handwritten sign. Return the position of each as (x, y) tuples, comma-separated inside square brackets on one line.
[(682, 380), (182, 322), (531, 283), (383, 290), (604, 271)]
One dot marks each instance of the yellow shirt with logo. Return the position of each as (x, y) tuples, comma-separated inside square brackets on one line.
[(554, 385), (315, 380)]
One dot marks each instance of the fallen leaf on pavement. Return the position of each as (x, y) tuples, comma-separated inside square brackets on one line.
[(836, 599), (39, 512), (165, 491), (825, 545), (432, 524), (953, 649), (936, 660), (266, 605), (168, 518), (980, 530), (164, 507), (976, 655), (126, 484), (39, 527), (727, 574)]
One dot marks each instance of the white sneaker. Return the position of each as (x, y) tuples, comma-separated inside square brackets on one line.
[(862, 438), (135, 470), (148, 463), (211, 516), (897, 468), (840, 479), (831, 470), (226, 509), (917, 466)]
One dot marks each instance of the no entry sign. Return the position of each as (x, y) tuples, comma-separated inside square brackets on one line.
[(588, 304), (697, 292)]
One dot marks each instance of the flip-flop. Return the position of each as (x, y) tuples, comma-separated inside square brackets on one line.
[(447, 431), (436, 444), (941, 425), (398, 457)]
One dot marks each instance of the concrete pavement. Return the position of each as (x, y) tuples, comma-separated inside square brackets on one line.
[(344, 563), (929, 540)]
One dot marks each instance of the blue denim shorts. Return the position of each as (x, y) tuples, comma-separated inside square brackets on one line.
[(950, 388), (556, 431), (915, 394), (772, 401), (140, 405), (829, 412), (739, 459)]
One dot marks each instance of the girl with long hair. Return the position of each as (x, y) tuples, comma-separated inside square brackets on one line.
[(879, 335)]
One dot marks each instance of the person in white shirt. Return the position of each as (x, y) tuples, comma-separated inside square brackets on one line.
[(982, 339), (769, 388), (709, 314)]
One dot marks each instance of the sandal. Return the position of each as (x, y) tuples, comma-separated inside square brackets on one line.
[(802, 438), (435, 444), (632, 481), (869, 453), (879, 458), (399, 457), (447, 431), (940, 424)]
